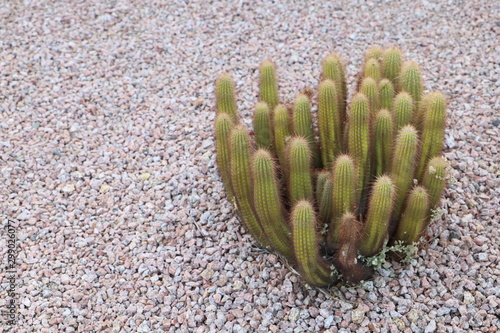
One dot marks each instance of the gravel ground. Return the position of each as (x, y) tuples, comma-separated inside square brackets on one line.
[(107, 165)]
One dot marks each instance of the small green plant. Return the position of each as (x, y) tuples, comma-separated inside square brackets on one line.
[(334, 200)]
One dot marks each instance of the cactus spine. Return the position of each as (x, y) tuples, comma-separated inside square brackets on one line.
[(329, 122), (344, 194), (223, 125), (299, 157), (435, 180), (383, 139), (358, 142), (374, 52), (375, 229), (268, 84), (303, 125), (225, 96), (262, 126), (241, 181), (412, 222), (403, 165), (268, 203), (313, 267), (433, 130)]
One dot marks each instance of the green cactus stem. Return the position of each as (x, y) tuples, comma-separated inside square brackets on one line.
[(334, 69), (410, 80), (240, 173), (412, 224), (375, 229), (434, 122), (344, 194), (383, 139), (223, 125), (386, 90), (282, 131), (268, 204), (325, 202), (402, 110), (346, 258), (329, 122), (321, 178), (312, 266), (226, 97), (268, 84), (369, 88), (403, 165), (372, 69), (299, 159), (262, 126), (435, 180), (303, 126), (392, 60), (358, 142), (374, 52)]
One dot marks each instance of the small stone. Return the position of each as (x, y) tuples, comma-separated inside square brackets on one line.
[(104, 188), (358, 315), (431, 327), (468, 298), (293, 315), (496, 122), (145, 176), (68, 188), (207, 274)]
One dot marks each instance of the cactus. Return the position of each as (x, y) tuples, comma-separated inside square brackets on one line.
[(347, 254), (372, 69), (262, 126), (402, 110), (312, 266), (268, 203), (403, 165), (299, 166), (386, 89), (225, 95), (333, 69), (268, 84), (374, 52), (374, 176), (435, 180), (383, 142), (434, 122), (223, 125), (391, 65), (329, 122), (344, 194), (369, 88), (240, 148), (375, 230), (410, 80), (358, 142), (282, 131), (303, 125), (412, 222)]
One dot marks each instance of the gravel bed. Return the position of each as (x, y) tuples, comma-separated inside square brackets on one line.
[(107, 165)]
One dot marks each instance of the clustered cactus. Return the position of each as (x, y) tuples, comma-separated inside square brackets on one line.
[(370, 177)]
